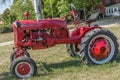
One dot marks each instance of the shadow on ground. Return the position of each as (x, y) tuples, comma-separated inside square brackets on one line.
[(118, 57), (50, 67), (6, 76)]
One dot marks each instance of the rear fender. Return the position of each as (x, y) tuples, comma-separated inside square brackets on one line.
[(80, 32)]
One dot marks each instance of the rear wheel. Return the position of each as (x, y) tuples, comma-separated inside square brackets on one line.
[(98, 46), (23, 67)]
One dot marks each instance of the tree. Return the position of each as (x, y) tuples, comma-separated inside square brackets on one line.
[(8, 17), (63, 7), (60, 7), (87, 5), (49, 8), (20, 6)]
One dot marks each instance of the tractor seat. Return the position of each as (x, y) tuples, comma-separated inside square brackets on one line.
[(93, 17)]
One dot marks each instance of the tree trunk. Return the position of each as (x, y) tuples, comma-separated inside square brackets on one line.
[(85, 14)]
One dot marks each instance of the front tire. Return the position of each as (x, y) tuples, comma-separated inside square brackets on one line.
[(13, 55), (98, 46), (23, 67)]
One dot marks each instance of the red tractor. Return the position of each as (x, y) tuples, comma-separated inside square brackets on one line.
[(94, 44)]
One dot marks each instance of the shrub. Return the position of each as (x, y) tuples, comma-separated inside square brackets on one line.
[(5, 28)]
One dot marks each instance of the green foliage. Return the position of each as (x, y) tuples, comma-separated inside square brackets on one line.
[(63, 7), (59, 7), (21, 6), (47, 8), (5, 28), (16, 12), (7, 17), (86, 3)]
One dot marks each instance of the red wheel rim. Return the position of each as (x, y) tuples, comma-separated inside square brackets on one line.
[(100, 49), (23, 69)]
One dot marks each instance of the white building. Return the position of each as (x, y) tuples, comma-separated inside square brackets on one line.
[(113, 10)]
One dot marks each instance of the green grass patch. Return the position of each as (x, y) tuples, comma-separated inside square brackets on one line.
[(55, 64), (116, 31)]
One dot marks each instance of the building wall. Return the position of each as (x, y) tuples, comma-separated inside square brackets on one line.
[(118, 1), (111, 8), (113, 1)]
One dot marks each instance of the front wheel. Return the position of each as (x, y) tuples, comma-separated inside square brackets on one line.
[(98, 46), (13, 55), (23, 67)]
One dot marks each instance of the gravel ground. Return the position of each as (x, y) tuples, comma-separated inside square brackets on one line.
[(6, 43), (108, 23)]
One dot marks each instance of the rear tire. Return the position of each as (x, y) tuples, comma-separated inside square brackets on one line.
[(23, 67), (98, 46)]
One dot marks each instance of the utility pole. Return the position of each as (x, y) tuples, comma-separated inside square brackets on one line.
[(38, 6), (51, 8)]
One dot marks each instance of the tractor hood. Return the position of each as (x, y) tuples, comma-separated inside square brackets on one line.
[(47, 23)]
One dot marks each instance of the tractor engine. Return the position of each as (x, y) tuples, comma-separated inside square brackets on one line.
[(39, 34), (39, 38), (34, 35)]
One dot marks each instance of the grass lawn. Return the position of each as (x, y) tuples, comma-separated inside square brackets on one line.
[(55, 64), (6, 37)]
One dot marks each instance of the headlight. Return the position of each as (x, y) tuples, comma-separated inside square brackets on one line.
[(17, 24)]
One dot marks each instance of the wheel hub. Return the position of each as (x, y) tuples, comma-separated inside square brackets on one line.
[(23, 69), (100, 49)]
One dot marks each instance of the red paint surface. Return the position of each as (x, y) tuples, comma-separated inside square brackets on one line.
[(23, 69), (100, 49)]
